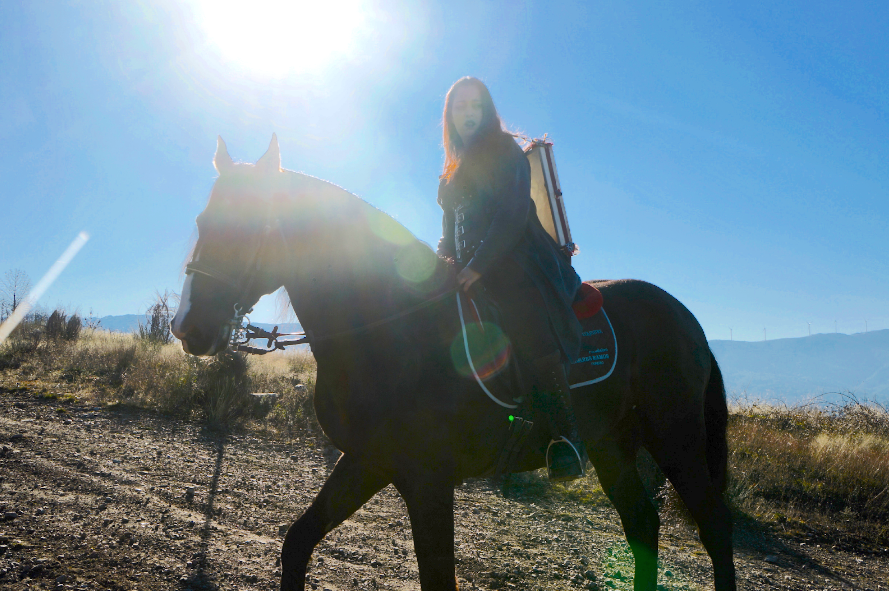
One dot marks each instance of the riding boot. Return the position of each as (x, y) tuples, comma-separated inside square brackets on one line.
[(566, 456)]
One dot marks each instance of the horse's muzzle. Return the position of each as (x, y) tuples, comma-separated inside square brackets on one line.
[(197, 342)]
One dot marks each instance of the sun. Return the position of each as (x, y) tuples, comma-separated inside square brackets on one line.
[(279, 38)]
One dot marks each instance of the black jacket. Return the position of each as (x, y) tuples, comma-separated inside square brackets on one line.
[(505, 239)]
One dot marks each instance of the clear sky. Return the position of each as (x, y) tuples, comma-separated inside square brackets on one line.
[(734, 153)]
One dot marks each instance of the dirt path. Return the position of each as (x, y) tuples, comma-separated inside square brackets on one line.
[(113, 499)]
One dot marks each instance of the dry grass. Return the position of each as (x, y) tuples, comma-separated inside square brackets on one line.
[(814, 472), (811, 465), (115, 368), (99, 354), (291, 375)]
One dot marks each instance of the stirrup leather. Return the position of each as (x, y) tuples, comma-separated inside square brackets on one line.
[(580, 460)]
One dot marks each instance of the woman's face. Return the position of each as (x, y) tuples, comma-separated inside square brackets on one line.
[(466, 111)]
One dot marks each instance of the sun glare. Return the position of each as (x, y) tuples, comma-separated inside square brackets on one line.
[(278, 37)]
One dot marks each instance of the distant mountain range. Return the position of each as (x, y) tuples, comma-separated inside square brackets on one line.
[(122, 323), (794, 370), (783, 370)]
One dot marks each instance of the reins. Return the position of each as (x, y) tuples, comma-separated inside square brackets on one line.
[(251, 332)]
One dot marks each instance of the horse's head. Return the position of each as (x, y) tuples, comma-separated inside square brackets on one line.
[(233, 262)]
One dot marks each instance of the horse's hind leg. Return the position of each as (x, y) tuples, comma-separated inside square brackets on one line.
[(430, 505), (615, 464), (348, 487), (686, 468)]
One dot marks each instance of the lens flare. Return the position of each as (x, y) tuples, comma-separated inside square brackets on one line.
[(489, 348), (22, 310), (388, 229), (415, 262)]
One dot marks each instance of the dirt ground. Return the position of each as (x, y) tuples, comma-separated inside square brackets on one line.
[(103, 498)]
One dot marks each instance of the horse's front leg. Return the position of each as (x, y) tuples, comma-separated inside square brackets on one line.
[(348, 487), (430, 505)]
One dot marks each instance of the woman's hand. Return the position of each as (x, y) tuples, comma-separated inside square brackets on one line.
[(466, 278)]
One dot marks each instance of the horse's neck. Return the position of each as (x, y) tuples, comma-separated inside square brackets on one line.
[(341, 270)]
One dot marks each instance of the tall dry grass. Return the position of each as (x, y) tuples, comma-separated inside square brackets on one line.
[(812, 471), (793, 462), (291, 375)]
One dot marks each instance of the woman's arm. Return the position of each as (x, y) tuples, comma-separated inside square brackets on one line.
[(512, 202)]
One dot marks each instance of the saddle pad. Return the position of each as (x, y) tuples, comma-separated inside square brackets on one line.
[(598, 351)]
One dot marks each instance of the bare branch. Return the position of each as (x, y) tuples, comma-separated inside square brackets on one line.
[(14, 286)]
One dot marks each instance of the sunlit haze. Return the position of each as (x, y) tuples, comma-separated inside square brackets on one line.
[(278, 37)]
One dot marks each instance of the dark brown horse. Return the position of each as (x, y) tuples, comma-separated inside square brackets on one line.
[(389, 396)]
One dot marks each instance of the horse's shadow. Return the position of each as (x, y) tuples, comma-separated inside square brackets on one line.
[(201, 577)]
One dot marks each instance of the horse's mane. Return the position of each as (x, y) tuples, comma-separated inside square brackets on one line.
[(346, 200), (413, 257)]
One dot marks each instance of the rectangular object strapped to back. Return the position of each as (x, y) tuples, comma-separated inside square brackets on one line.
[(547, 193)]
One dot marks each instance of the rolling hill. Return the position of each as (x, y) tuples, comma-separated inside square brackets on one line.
[(793, 370)]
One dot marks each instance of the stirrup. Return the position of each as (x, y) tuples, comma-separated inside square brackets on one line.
[(562, 475)]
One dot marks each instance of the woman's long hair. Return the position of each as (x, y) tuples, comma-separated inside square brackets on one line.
[(489, 137)]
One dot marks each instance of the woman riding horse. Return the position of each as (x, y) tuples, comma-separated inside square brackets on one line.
[(491, 231), (388, 393)]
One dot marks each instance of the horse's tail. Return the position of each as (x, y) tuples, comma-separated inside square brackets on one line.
[(716, 418)]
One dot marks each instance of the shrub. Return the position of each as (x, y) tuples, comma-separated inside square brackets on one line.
[(59, 326), (24, 341), (73, 328), (55, 324), (164, 378), (225, 389), (157, 321)]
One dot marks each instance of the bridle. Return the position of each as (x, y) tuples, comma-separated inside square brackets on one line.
[(241, 331), (213, 273)]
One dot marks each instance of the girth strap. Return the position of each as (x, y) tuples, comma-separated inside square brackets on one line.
[(519, 429)]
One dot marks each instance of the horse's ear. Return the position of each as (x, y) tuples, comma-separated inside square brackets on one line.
[(222, 161), (271, 160)]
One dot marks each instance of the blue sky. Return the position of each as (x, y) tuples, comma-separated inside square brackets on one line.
[(733, 153)]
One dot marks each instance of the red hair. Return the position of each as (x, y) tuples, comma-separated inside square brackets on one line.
[(490, 128)]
